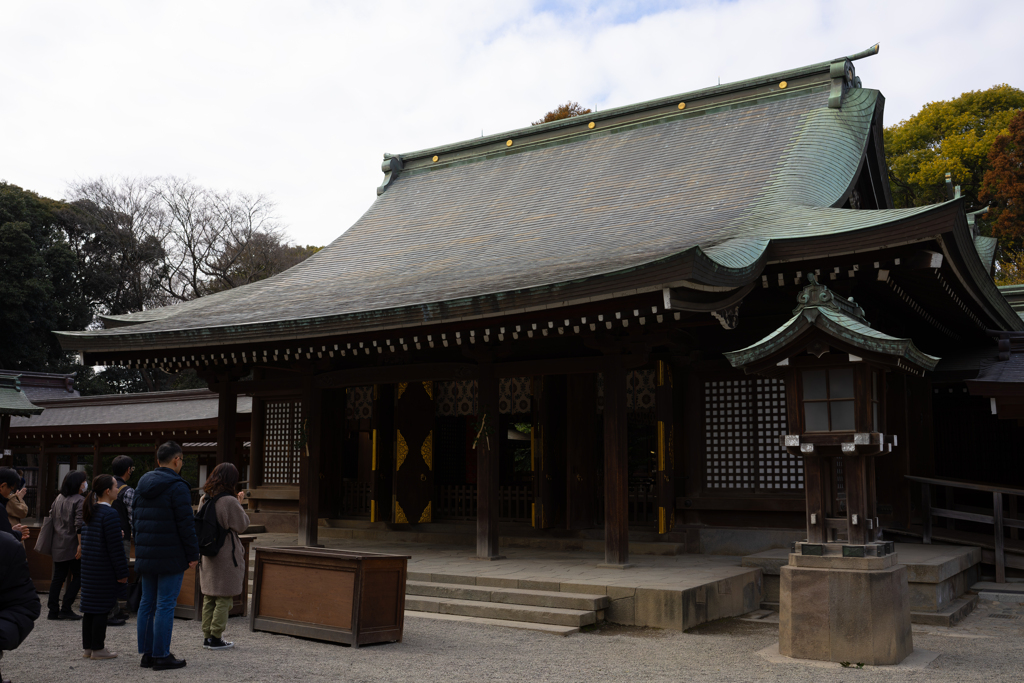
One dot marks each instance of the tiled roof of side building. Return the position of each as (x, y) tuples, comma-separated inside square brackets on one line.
[(699, 191)]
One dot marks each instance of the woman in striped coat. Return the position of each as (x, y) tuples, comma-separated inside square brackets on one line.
[(103, 565)]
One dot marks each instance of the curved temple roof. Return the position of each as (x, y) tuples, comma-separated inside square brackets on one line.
[(696, 187)]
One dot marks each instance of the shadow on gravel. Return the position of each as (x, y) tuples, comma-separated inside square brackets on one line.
[(607, 629), (729, 627)]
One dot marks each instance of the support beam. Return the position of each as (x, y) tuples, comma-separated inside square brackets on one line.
[(616, 464), (487, 451), (43, 484), (309, 464), (227, 422), (257, 441), (97, 460)]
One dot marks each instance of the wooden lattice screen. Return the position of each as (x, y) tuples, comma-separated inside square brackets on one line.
[(283, 432), (743, 419)]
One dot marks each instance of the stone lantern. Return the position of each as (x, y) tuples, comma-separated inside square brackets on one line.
[(844, 596)]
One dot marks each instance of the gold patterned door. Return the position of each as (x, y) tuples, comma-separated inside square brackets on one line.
[(414, 453)]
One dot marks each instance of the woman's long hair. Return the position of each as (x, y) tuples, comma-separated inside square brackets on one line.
[(72, 483), (100, 485), (223, 479)]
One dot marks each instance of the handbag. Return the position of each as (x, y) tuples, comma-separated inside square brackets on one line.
[(44, 541)]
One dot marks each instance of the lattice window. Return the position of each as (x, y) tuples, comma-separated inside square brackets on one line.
[(776, 469), (281, 442), (728, 433), (743, 419)]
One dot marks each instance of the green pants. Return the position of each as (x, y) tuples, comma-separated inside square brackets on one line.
[(215, 615)]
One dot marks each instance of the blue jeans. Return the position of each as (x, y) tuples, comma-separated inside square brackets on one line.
[(156, 612)]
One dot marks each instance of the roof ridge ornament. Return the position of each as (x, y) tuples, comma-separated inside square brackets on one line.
[(844, 76), (816, 295), (392, 167)]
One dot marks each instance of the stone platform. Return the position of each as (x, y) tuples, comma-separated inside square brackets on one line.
[(670, 592), (938, 578)]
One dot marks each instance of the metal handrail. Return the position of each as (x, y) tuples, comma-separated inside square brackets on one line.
[(995, 519)]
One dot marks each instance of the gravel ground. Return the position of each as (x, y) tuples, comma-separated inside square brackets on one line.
[(982, 648)]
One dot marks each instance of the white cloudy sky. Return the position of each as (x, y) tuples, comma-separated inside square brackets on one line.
[(299, 99)]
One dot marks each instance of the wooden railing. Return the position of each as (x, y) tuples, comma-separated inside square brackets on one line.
[(458, 502), (355, 499), (996, 519)]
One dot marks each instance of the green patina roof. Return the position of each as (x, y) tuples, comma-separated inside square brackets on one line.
[(819, 308), (651, 195), (13, 400)]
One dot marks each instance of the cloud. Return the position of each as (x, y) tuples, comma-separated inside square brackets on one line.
[(300, 99)]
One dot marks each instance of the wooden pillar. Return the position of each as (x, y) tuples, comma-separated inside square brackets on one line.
[(43, 483), (382, 453), (487, 451), (309, 464), (816, 489), (5, 430), (665, 485), (616, 464), (257, 441), (855, 479), (582, 468), (227, 422), (97, 460)]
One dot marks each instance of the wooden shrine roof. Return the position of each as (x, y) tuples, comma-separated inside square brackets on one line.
[(125, 410), (13, 400), (697, 191)]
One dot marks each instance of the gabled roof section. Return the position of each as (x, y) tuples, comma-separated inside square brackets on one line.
[(818, 308), (692, 189), (13, 400)]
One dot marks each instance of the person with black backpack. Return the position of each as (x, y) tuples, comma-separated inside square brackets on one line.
[(222, 564), (124, 505)]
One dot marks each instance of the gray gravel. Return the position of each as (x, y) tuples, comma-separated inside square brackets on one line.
[(981, 649)]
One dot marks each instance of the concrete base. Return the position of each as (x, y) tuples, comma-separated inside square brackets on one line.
[(841, 612)]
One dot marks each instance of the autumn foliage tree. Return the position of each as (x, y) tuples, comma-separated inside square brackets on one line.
[(1003, 184), (563, 111), (953, 136)]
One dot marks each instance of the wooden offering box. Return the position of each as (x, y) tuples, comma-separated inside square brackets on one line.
[(336, 595), (190, 599), (40, 567)]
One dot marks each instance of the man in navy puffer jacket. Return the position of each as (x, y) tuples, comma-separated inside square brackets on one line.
[(165, 546)]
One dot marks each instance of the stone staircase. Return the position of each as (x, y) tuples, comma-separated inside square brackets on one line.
[(535, 610), (551, 612)]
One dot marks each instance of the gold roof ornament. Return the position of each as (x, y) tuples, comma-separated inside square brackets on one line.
[(508, 143), (682, 105), (783, 85)]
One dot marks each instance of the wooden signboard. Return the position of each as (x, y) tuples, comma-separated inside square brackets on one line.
[(190, 599), (334, 595)]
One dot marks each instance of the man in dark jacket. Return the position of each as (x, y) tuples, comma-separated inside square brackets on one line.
[(19, 604), (165, 546)]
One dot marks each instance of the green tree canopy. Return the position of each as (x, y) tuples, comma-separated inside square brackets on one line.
[(952, 136), (563, 111)]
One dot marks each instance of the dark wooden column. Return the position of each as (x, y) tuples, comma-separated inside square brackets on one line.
[(227, 422), (97, 460), (257, 441), (580, 433), (382, 455), (665, 484), (5, 430), (855, 480), (616, 464), (816, 488), (487, 451), (309, 464), (43, 484)]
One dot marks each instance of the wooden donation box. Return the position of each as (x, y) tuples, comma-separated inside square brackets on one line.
[(843, 596), (40, 567), (190, 599), (336, 595)]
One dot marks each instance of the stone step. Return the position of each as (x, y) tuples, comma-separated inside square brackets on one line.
[(255, 529), (496, 610), (950, 615), (553, 629), (770, 606), (510, 596)]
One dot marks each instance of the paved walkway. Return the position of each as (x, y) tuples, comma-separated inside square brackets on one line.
[(566, 571)]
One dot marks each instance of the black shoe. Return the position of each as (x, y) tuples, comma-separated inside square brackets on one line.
[(69, 615), (53, 616), (147, 662), (115, 622), (122, 614), (168, 662), (217, 644)]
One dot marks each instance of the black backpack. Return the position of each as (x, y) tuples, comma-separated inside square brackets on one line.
[(122, 511), (211, 535)]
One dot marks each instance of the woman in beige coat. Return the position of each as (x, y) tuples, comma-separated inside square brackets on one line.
[(221, 575), (66, 512)]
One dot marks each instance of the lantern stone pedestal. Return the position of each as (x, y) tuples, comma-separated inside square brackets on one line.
[(845, 603)]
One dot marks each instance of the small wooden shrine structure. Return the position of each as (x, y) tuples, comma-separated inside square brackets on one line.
[(574, 285)]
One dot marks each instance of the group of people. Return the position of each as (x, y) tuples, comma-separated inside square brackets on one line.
[(92, 530)]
